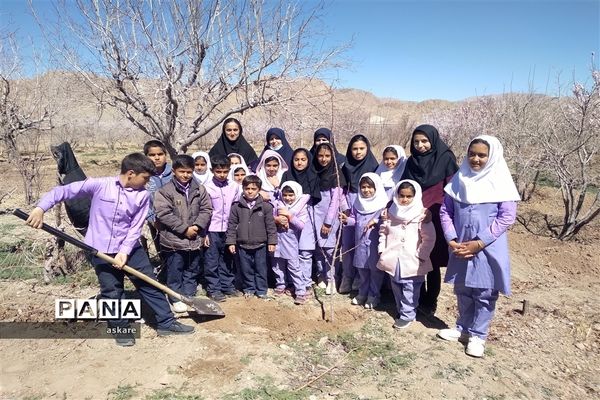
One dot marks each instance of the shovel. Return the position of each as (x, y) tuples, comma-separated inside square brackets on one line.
[(201, 306)]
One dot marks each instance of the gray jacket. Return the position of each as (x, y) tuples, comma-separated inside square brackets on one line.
[(176, 213), (251, 228)]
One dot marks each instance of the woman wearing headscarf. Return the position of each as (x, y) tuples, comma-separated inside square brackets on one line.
[(232, 141), (432, 165), (275, 140), (359, 161)]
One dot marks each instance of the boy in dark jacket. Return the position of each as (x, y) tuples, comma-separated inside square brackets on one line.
[(252, 231), (183, 210)]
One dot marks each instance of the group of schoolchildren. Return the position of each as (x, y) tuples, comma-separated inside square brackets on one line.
[(316, 216), (223, 218)]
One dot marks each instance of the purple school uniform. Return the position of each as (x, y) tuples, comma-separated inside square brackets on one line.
[(326, 212), (365, 254), (348, 241), (286, 256), (117, 213), (490, 268), (222, 196)]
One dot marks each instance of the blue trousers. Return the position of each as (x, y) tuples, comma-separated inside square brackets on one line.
[(371, 279), (289, 269), (253, 263), (348, 269), (306, 261), (476, 309), (324, 260), (111, 287), (407, 296), (219, 267), (183, 267)]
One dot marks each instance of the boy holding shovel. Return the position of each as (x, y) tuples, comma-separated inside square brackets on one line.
[(118, 210)]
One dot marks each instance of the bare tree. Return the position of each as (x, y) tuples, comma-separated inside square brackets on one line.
[(24, 116), (177, 69), (571, 145)]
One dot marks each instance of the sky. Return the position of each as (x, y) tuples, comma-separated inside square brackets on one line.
[(451, 50)]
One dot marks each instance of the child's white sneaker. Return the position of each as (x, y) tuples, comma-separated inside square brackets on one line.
[(475, 347), (329, 288), (179, 307), (371, 303), (453, 335), (322, 285), (359, 301)]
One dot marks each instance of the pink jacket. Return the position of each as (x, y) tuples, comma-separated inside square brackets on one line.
[(407, 245)]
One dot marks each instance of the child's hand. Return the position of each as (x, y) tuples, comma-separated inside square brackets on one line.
[(206, 241), (343, 218), (384, 228), (121, 259), (232, 248), (271, 248), (369, 226), (36, 218), (384, 215), (283, 212), (191, 232), (325, 230), (468, 249)]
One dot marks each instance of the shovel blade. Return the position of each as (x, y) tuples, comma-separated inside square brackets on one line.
[(204, 306)]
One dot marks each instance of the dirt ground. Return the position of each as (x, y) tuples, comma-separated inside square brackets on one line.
[(276, 350)]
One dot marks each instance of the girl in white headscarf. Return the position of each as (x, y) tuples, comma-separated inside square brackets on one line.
[(391, 167), (202, 167), (479, 206), (405, 243), (270, 169), (364, 216)]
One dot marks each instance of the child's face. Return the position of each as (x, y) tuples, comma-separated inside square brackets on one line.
[(232, 131), (478, 155), (136, 181), (275, 141), (200, 165), (421, 143), (183, 174), (367, 190), (300, 161), (239, 175), (158, 157), (289, 197), (406, 196), (271, 168), (321, 139), (235, 160), (390, 160), (220, 173), (359, 150), (324, 157), (251, 190)]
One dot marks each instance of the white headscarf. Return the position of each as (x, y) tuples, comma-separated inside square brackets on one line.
[(262, 173), (234, 168), (207, 175), (411, 211), (297, 188), (238, 156), (375, 203), (492, 184), (391, 176)]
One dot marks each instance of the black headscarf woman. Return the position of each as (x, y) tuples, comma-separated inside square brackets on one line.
[(432, 166), (327, 134), (353, 169), (284, 150), (307, 177), (328, 175), (232, 141)]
